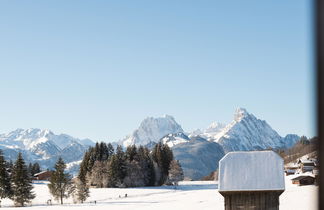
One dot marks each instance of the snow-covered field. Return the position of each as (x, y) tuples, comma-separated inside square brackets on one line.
[(189, 195)]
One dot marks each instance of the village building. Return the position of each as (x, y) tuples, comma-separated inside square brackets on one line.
[(303, 180), (43, 175), (251, 180), (306, 165), (291, 168)]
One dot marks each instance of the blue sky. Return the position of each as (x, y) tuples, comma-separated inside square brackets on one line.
[(97, 68)]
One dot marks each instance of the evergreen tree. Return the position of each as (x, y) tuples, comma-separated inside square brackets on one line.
[(21, 183), (117, 168), (134, 175), (162, 155), (5, 185), (110, 149), (121, 164), (60, 185), (35, 168), (10, 166), (131, 152), (175, 173), (146, 164), (84, 168)]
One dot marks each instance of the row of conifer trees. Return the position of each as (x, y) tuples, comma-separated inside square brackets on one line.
[(102, 166)]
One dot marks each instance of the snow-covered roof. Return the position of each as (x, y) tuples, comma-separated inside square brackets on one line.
[(42, 172), (251, 171), (306, 161)]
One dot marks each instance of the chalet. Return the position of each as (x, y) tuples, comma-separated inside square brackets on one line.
[(251, 180), (306, 165), (44, 175), (303, 180), (291, 168)]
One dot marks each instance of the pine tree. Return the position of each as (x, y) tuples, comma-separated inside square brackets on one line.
[(131, 152), (110, 149), (121, 165), (117, 168), (175, 173), (146, 164), (5, 185), (21, 183), (60, 185), (35, 168), (162, 155), (84, 168)]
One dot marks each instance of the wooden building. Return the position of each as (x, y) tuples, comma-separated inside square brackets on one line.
[(43, 175), (306, 165), (251, 180), (291, 168), (303, 180)]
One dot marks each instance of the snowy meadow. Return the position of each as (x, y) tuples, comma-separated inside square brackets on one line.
[(189, 195)]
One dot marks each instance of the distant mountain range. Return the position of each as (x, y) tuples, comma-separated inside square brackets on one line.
[(43, 146), (198, 151)]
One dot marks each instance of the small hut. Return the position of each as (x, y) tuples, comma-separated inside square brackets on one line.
[(44, 175), (303, 180), (291, 168), (251, 180)]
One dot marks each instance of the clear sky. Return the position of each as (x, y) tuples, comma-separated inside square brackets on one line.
[(97, 68)]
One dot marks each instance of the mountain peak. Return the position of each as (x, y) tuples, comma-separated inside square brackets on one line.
[(240, 113), (152, 129), (214, 128), (168, 116)]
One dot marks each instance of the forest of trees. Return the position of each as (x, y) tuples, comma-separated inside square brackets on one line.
[(102, 166)]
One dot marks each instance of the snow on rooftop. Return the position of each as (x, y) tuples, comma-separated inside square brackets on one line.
[(251, 171)]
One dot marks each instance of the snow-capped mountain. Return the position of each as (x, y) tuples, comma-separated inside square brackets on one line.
[(42, 146), (152, 130), (246, 132), (198, 151), (210, 132), (173, 139)]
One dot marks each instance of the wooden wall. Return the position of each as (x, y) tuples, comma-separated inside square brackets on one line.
[(252, 200)]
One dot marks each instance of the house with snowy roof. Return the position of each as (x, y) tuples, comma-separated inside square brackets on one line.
[(291, 168), (303, 180), (306, 164), (43, 175), (251, 180)]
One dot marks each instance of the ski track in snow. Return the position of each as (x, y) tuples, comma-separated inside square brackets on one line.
[(193, 195)]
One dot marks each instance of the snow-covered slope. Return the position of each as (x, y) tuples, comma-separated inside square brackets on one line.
[(152, 130), (42, 146), (246, 132), (173, 139), (210, 132)]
